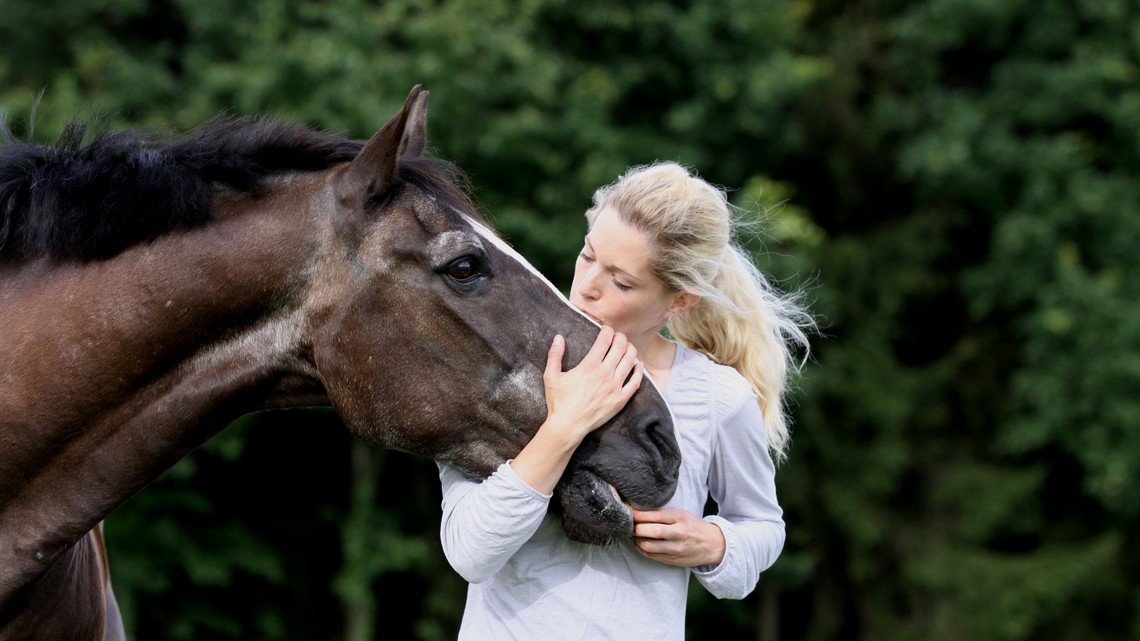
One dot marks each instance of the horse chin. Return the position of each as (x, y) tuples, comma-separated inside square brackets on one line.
[(592, 510)]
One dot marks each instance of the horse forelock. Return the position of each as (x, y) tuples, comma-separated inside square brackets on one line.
[(90, 195), (443, 181)]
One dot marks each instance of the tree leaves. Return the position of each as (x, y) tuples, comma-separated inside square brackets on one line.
[(953, 181)]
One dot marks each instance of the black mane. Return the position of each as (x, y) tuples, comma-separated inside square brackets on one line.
[(86, 199)]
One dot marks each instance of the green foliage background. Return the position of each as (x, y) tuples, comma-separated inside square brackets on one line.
[(953, 181)]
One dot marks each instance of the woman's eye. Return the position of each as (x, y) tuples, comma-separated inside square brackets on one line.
[(462, 269), (622, 287), (584, 257)]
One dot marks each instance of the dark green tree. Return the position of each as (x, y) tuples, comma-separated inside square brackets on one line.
[(975, 409)]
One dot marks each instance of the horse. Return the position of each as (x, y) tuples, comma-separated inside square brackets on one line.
[(153, 289)]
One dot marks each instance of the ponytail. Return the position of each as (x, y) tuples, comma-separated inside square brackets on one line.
[(744, 323)]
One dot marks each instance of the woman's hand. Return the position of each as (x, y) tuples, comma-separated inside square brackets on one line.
[(677, 537), (582, 399), (578, 402)]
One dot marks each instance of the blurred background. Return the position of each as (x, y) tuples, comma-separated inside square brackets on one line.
[(954, 183)]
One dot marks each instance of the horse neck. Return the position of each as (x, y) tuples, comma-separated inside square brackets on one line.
[(120, 368)]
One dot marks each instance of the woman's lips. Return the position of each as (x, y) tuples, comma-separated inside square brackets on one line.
[(590, 316)]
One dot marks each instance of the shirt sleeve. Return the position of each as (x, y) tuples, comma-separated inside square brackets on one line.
[(485, 522), (742, 481)]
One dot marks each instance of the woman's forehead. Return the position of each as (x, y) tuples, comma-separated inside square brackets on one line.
[(620, 246)]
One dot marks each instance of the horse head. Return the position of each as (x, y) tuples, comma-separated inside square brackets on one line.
[(433, 337)]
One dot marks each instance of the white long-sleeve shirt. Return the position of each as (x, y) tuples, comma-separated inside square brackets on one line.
[(529, 582)]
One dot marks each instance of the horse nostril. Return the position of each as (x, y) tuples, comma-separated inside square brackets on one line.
[(664, 444)]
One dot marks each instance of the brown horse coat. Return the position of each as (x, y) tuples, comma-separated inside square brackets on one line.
[(253, 266)]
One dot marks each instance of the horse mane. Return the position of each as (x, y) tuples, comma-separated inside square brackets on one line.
[(89, 197)]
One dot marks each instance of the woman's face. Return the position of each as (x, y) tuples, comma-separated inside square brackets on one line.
[(613, 283)]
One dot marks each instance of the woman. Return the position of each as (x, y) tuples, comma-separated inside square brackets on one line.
[(658, 254)]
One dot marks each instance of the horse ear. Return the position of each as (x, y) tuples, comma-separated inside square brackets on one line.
[(373, 170), (414, 140)]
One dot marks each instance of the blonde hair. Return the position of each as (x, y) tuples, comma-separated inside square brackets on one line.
[(741, 320)]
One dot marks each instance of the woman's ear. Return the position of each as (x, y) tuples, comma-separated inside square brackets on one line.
[(682, 302)]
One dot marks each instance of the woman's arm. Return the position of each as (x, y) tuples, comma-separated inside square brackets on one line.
[(742, 481), (485, 523)]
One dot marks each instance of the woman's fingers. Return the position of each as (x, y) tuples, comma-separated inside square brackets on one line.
[(620, 357), (601, 347), (554, 355), (612, 352), (634, 381), (677, 537), (618, 346), (596, 389)]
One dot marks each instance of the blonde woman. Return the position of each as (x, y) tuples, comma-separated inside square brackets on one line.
[(658, 254)]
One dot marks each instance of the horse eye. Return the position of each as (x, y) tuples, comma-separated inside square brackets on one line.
[(462, 269)]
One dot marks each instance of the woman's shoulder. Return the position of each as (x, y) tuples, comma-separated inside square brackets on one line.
[(723, 386)]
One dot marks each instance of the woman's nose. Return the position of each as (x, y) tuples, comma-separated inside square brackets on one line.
[(590, 282)]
